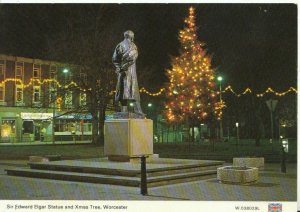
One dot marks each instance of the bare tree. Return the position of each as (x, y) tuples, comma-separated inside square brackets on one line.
[(87, 42)]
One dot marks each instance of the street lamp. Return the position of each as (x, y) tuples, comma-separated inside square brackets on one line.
[(220, 78), (65, 71), (152, 115)]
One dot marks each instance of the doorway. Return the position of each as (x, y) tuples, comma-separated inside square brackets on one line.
[(37, 133)]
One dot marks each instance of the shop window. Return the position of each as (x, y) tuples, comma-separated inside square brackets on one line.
[(28, 127), (65, 126), (71, 125), (57, 126), (19, 93), (8, 127), (36, 94), (60, 125), (87, 127), (36, 71)]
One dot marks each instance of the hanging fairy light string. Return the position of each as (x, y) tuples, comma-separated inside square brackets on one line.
[(230, 89), (267, 91), (270, 90), (144, 90), (41, 82)]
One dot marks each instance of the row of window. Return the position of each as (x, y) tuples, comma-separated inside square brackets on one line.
[(19, 70), (36, 96)]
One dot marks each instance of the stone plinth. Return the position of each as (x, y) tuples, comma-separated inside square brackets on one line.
[(237, 174), (128, 138), (258, 162), (127, 115)]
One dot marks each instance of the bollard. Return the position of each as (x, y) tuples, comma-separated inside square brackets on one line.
[(144, 190), (283, 164)]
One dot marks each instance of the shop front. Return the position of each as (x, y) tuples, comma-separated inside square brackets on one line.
[(73, 127), (36, 127)]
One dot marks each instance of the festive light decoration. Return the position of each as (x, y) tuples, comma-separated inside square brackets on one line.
[(219, 107), (41, 82), (269, 90), (59, 103), (144, 90), (191, 92), (230, 89)]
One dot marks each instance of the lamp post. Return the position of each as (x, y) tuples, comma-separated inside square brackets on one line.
[(201, 131), (220, 79), (152, 114), (65, 71), (130, 108), (284, 150), (237, 134), (149, 110), (271, 103), (53, 118)]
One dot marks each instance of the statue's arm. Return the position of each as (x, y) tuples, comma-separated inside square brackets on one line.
[(117, 58), (135, 52)]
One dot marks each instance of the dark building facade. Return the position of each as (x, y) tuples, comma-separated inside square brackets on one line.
[(36, 103)]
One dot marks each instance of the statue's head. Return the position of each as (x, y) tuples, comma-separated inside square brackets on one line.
[(129, 35)]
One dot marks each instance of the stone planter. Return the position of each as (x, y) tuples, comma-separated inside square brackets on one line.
[(237, 174), (258, 162)]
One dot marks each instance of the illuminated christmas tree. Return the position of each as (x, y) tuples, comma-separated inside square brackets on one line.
[(191, 92)]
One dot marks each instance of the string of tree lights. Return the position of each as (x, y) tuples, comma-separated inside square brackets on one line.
[(191, 92)]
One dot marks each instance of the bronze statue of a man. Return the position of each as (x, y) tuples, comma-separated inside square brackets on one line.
[(124, 59)]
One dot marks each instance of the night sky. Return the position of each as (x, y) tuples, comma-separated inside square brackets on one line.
[(253, 45)]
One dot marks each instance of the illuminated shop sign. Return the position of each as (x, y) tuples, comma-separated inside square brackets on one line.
[(76, 116), (36, 115)]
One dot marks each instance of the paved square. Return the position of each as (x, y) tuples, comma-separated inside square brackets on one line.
[(272, 186)]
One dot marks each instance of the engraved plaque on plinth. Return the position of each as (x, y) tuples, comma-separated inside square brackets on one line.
[(127, 138)]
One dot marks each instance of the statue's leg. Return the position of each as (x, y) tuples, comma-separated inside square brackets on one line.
[(124, 109), (124, 105), (137, 108)]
